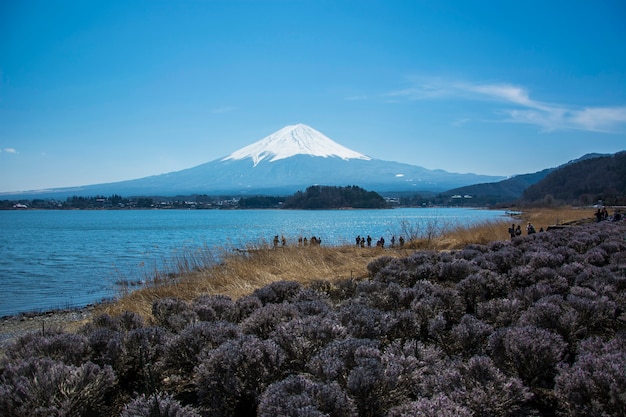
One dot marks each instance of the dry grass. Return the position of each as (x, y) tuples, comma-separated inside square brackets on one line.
[(461, 236), (490, 231), (240, 273), (556, 216)]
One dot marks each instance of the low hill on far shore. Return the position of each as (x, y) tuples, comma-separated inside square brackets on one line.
[(584, 182)]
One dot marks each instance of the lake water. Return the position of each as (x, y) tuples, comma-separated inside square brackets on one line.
[(58, 259)]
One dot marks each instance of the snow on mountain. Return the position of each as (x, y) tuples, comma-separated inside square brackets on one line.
[(294, 140)]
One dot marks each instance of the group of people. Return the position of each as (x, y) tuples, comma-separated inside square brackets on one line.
[(603, 214), (282, 240), (302, 241), (380, 243), (361, 241), (517, 230), (315, 241)]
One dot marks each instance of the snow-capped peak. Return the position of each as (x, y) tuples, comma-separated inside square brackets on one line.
[(293, 140)]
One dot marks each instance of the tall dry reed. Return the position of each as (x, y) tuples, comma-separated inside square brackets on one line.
[(239, 273)]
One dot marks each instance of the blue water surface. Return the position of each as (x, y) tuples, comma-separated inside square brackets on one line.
[(60, 259)]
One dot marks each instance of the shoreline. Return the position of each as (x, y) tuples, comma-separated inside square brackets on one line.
[(12, 327)]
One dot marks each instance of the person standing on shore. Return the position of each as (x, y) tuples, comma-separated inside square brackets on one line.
[(512, 231)]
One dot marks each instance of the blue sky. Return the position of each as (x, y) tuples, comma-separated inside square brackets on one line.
[(102, 91)]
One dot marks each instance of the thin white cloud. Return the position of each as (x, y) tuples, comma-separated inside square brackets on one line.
[(356, 98), (504, 92), (598, 118), (222, 109), (460, 122), (425, 88), (547, 116), (10, 150)]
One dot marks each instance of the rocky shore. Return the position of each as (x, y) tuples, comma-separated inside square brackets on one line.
[(12, 327)]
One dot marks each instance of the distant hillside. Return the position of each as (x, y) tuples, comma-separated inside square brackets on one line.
[(510, 189), (583, 182), (505, 190)]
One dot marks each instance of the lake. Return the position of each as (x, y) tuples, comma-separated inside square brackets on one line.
[(53, 259)]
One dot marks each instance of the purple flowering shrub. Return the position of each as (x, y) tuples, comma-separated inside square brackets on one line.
[(71, 349), (183, 352), (500, 312), (297, 395), (333, 362), (456, 269), (501, 259), (372, 383), (231, 378), (528, 352), (487, 391), (173, 314), (542, 257), (277, 292), (595, 384), (245, 306), (597, 256), (378, 264), (313, 307), (342, 289), (301, 338), (263, 321), (529, 327), (363, 322), (132, 354), (469, 337), (215, 308), (481, 286), (406, 271), (136, 368), (596, 311), (157, 405), (44, 387), (438, 406), (477, 385)]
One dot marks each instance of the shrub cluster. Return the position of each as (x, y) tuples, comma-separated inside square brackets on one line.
[(527, 327)]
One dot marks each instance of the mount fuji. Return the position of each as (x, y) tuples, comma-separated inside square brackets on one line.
[(290, 159), (291, 141)]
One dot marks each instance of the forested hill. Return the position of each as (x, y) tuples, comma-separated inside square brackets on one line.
[(584, 182), (505, 190), (326, 197)]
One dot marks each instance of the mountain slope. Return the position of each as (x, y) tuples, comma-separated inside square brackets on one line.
[(584, 181), (511, 188), (289, 160), (286, 177), (505, 190)]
